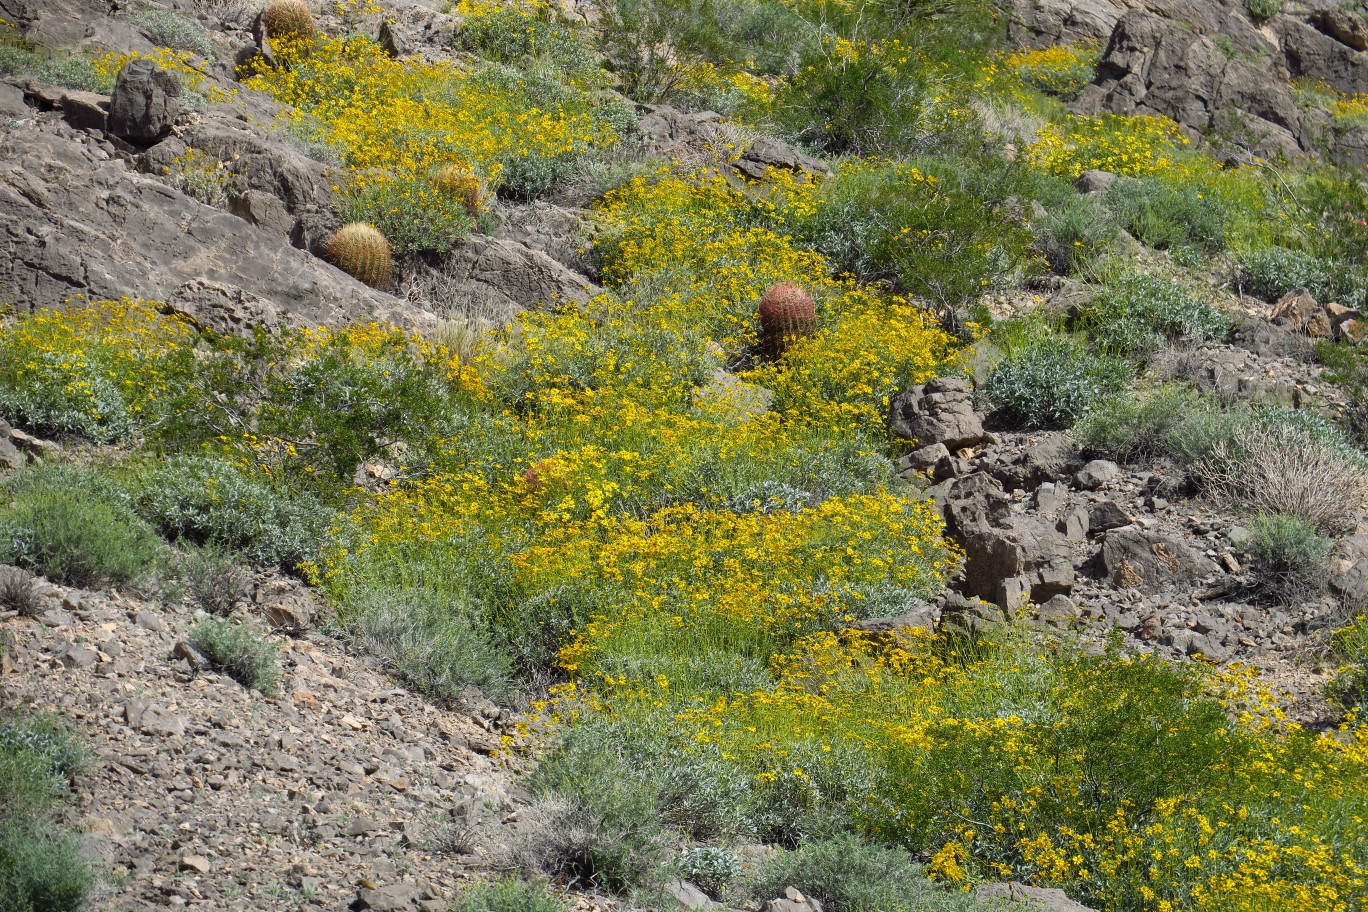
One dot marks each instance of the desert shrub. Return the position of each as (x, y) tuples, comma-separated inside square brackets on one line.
[(1128, 146), (72, 527), (1073, 233), (238, 651), (1288, 556), (1136, 313), (1287, 463), (522, 34), (1050, 380), (170, 29), (966, 242), (40, 867), (1142, 426), (414, 216), (508, 894), (211, 501), (19, 591), (198, 175), (527, 177), (102, 370), (1273, 272), (710, 867), (68, 71), (1164, 215), (597, 823), (1263, 10), (1062, 70), (848, 873), (436, 649), (214, 580)]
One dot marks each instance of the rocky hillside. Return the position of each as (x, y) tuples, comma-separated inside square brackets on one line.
[(795, 455)]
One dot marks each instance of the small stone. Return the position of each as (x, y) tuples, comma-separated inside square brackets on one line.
[(688, 895), (197, 863), (79, 657), (149, 621)]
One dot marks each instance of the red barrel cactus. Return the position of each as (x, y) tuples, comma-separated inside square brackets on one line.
[(787, 313)]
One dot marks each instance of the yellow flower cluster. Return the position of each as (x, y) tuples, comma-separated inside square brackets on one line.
[(96, 368), (401, 119), (1129, 146), (1061, 69)]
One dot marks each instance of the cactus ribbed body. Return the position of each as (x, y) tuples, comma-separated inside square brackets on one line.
[(361, 251), (288, 19), (787, 313)]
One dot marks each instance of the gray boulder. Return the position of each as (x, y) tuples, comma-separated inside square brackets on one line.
[(1312, 54), (1150, 561), (1155, 65), (1043, 23), (76, 222), (1028, 899), (1344, 26), (145, 103), (1025, 558), (500, 278), (939, 411)]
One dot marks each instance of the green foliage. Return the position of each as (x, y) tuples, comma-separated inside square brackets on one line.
[(712, 868), (1144, 425), (1263, 10), (1136, 313), (239, 652), (1271, 273), (210, 501), (1288, 556), (964, 242), (1073, 233), (508, 894), (40, 868), (168, 28), (514, 37), (1167, 216), (413, 215), (68, 71), (69, 525), (1349, 689), (847, 873), (433, 647), (1050, 380)]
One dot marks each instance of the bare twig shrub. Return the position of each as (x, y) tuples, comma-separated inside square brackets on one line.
[(19, 591), (1282, 469)]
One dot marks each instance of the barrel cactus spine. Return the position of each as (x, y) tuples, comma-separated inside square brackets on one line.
[(787, 313), (288, 19), (362, 252)]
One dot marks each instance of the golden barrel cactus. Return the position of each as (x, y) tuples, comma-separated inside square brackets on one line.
[(362, 252), (288, 19)]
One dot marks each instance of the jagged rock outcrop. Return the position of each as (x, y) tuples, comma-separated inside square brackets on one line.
[(1155, 65), (75, 221), (1043, 23)]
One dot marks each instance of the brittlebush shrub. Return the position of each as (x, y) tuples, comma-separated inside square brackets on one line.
[(1271, 273), (1047, 379), (1134, 314), (1167, 216), (103, 370), (237, 650)]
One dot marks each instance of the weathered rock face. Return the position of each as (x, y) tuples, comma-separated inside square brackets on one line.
[(1154, 65), (145, 103), (1150, 561), (1312, 54), (1042, 23), (76, 222), (939, 411), (1027, 558)]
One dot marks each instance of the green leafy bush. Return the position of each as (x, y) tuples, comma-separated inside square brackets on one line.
[(1050, 380), (74, 528), (1165, 216), (1269, 274), (1137, 313), (1263, 10), (712, 868), (962, 241), (508, 894), (40, 867), (1073, 233), (1349, 689), (1145, 425), (414, 216), (210, 501), (1288, 556), (239, 652), (213, 578), (849, 874)]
